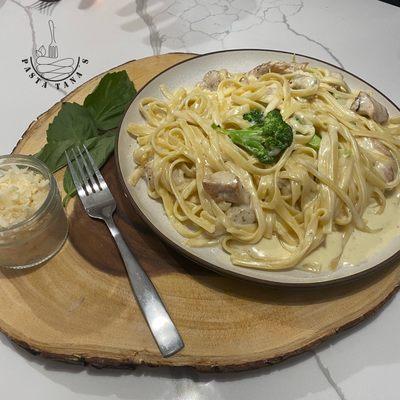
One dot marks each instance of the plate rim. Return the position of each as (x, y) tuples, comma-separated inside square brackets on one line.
[(383, 265)]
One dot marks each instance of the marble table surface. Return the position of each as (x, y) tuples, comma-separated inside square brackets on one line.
[(359, 35)]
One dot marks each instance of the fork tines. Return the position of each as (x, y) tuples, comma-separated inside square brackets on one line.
[(87, 177)]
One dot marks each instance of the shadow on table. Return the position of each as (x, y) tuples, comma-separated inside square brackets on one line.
[(292, 379), (85, 4), (174, 25)]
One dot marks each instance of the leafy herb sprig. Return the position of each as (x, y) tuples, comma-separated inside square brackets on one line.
[(94, 124)]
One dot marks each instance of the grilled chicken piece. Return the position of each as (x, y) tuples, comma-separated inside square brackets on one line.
[(367, 106), (279, 67), (225, 186), (241, 215), (303, 82), (384, 162), (213, 78)]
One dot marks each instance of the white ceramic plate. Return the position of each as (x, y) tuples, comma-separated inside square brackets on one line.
[(188, 73)]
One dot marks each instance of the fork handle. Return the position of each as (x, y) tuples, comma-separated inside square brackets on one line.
[(161, 326)]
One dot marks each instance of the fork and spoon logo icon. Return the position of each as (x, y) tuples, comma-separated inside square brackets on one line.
[(46, 65)]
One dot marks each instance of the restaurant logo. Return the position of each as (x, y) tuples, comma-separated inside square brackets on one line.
[(46, 66)]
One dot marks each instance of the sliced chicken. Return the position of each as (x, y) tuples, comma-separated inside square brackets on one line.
[(225, 186), (303, 82), (367, 106), (279, 67), (241, 215), (213, 78), (384, 162)]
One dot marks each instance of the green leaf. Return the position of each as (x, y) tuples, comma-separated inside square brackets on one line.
[(52, 154), (108, 102), (72, 126), (100, 147), (73, 122), (76, 125)]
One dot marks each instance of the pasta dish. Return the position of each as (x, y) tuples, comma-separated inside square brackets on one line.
[(285, 153)]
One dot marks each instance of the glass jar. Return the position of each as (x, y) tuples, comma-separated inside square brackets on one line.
[(36, 239)]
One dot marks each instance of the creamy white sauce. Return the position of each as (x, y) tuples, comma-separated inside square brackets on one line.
[(363, 245), (360, 247)]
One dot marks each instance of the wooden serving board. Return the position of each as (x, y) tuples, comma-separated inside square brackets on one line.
[(78, 307)]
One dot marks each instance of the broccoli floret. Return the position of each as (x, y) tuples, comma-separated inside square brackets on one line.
[(265, 139), (253, 141), (275, 126), (254, 117)]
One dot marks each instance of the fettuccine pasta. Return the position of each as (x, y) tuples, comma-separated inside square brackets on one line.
[(342, 158)]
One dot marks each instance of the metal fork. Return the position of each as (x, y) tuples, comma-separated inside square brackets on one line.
[(99, 203)]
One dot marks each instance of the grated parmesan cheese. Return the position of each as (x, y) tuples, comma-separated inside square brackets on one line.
[(22, 192)]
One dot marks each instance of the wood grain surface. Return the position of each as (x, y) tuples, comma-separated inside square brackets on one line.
[(78, 307)]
